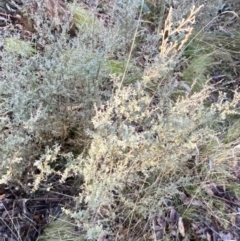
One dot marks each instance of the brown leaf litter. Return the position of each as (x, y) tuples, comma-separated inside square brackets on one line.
[(24, 216)]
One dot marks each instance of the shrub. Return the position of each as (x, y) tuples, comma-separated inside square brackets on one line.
[(134, 144), (48, 95)]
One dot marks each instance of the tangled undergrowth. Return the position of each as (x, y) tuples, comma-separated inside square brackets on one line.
[(119, 120)]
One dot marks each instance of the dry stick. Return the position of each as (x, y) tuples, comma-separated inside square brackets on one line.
[(10, 16), (12, 223)]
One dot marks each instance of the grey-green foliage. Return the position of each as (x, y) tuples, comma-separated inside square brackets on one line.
[(44, 95), (125, 14), (138, 156)]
